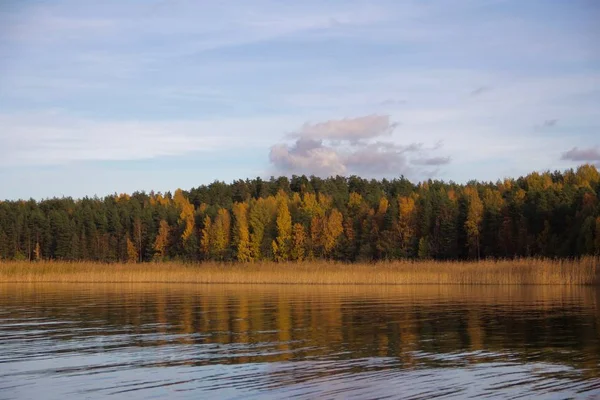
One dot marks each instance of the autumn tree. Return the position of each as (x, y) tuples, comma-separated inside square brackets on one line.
[(260, 216), (298, 242), (187, 219), (281, 246), (220, 237), (205, 240), (162, 239), (546, 214), (406, 224), (132, 251), (332, 229), (241, 233)]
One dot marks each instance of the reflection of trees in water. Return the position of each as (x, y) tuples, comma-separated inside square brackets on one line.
[(413, 327)]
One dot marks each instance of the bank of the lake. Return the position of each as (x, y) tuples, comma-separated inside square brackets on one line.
[(582, 271)]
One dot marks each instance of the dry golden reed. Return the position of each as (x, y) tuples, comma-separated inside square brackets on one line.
[(583, 271)]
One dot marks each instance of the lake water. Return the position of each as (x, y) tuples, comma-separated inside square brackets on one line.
[(138, 341)]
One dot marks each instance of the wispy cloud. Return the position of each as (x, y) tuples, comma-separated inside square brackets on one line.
[(432, 161), (54, 138)]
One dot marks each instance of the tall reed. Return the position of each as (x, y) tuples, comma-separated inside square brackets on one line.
[(582, 271)]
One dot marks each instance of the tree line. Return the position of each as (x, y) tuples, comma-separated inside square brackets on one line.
[(550, 214)]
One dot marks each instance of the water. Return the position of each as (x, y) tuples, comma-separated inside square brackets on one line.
[(226, 341)]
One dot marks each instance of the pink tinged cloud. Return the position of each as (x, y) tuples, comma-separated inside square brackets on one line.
[(577, 154), (349, 145)]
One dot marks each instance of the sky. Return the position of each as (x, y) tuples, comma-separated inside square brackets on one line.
[(118, 96)]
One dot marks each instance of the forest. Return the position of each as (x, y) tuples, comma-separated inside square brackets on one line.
[(550, 214)]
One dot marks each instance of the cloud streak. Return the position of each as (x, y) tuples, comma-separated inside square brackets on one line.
[(55, 138), (480, 90)]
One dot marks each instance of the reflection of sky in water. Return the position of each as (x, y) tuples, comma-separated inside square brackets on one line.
[(269, 342)]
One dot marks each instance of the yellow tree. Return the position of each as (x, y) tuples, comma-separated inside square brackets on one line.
[(309, 204), (221, 233), (474, 218), (162, 239), (298, 242), (132, 253), (383, 206), (260, 216), (186, 215), (281, 246), (206, 236), (241, 232), (406, 223), (354, 201), (332, 230), (325, 202), (587, 175)]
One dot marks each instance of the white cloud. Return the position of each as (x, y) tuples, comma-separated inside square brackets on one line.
[(347, 146)]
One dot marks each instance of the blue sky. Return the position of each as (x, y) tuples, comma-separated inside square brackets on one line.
[(117, 96)]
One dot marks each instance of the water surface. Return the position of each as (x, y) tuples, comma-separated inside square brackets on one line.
[(92, 341)]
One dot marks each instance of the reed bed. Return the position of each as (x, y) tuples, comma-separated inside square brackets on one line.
[(528, 271)]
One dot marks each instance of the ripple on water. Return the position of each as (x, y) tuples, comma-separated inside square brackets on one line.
[(190, 341)]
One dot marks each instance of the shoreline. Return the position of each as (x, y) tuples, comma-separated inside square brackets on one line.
[(528, 271)]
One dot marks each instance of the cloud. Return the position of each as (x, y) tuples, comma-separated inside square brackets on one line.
[(432, 161), (351, 129), (550, 123), (309, 156), (480, 90), (591, 154), (379, 159), (349, 146)]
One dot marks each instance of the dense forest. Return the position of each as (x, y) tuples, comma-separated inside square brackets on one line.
[(552, 214)]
